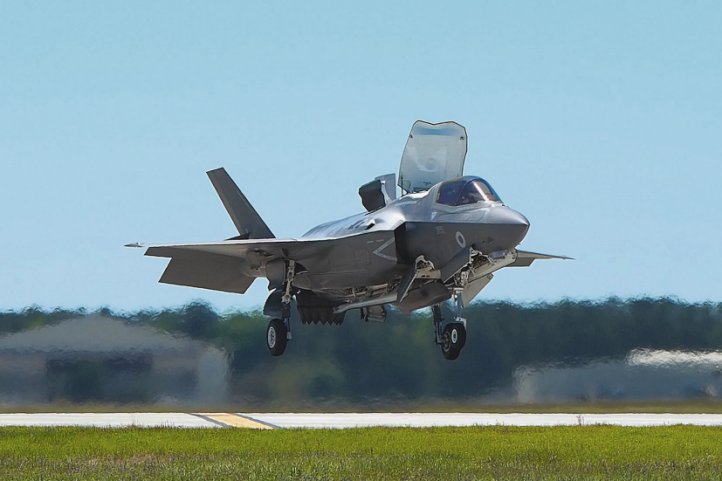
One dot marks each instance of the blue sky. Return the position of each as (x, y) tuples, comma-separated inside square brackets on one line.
[(600, 121)]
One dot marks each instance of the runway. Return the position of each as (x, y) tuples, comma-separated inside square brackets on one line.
[(348, 420)]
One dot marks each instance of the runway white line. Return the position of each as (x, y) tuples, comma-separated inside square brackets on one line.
[(104, 420), (350, 420), (358, 420)]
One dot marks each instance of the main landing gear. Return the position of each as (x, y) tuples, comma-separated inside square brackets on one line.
[(276, 337), (278, 332), (452, 336)]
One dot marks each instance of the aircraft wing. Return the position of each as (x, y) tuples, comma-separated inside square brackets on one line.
[(220, 266), (270, 248), (525, 258), (232, 265)]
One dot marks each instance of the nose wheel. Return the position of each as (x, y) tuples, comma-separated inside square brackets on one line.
[(450, 336), (453, 340)]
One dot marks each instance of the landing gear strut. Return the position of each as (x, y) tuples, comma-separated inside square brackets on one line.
[(278, 332), (452, 336)]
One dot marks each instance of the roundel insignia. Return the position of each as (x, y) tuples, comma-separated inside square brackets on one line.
[(460, 239)]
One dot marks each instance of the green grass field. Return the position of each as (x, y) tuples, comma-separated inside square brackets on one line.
[(577, 452)]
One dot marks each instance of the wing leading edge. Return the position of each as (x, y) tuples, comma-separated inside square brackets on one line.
[(525, 258)]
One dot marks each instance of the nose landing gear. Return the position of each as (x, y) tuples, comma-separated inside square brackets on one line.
[(452, 336), (453, 340)]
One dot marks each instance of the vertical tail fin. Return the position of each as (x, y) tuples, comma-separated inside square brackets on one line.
[(244, 216)]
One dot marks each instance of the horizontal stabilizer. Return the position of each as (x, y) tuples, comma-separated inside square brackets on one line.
[(525, 258), (244, 216), (207, 271)]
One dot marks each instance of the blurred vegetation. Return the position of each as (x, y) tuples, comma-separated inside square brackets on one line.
[(373, 363)]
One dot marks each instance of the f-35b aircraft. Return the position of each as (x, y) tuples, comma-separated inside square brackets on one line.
[(443, 237)]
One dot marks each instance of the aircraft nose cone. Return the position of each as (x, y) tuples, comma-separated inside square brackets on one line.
[(509, 227), (506, 216)]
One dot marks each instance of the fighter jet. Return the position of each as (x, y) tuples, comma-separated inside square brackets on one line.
[(442, 238)]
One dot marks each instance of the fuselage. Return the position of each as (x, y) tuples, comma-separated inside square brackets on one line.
[(437, 223)]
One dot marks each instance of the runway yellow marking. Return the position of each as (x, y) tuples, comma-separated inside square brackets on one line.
[(235, 420)]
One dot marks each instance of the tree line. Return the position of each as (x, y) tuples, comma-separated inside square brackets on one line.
[(367, 363)]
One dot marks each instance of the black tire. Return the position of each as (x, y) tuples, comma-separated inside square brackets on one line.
[(462, 336), (453, 339), (276, 337)]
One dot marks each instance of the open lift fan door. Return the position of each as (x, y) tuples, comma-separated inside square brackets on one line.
[(433, 153)]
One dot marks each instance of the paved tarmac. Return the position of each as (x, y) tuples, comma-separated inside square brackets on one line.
[(113, 420), (348, 420)]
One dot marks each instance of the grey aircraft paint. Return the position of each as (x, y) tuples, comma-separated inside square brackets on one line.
[(445, 237)]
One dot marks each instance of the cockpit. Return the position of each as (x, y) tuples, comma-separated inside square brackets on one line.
[(466, 190)]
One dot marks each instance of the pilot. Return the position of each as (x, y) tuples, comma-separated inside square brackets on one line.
[(470, 195)]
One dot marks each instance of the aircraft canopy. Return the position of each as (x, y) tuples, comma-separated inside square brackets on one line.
[(466, 190)]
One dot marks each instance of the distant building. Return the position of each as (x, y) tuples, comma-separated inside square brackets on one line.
[(101, 359), (642, 375)]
